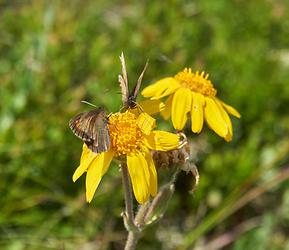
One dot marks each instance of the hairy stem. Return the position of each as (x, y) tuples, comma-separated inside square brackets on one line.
[(127, 193), (141, 214), (131, 241), (132, 229)]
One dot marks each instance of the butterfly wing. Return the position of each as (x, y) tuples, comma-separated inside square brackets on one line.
[(103, 142), (92, 128), (129, 99), (138, 84), (123, 82)]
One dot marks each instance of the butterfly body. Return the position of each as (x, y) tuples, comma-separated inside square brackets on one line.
[(92, 128), (130, 102)]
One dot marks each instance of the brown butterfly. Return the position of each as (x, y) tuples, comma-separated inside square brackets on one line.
[(129, 99), (92, 128)]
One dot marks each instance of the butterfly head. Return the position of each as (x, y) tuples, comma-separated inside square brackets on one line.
[(131, 102)]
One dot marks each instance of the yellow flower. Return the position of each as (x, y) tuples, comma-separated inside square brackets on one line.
[(194, 94), (132, 138)]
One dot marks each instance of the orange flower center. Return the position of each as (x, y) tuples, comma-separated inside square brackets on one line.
[(196, 82), (126, 136)]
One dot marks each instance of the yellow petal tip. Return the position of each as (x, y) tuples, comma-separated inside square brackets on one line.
[(75, 176), (88, 197)]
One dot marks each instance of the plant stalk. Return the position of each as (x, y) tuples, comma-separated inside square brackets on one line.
[(132, 229), (131, 241), (127, 193)]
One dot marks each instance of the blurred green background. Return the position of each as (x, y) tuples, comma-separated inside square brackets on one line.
[(53, 54)]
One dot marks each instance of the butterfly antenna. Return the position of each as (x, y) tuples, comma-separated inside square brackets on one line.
[(85, 102)]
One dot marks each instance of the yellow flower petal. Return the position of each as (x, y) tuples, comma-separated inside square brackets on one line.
[(197, 112), (146, 123), (86, 152), (87, 157), (152, 106), (162, 140), (140, 177), (96, 170), (160, 87), (231, 110), (170, 90), (153, 184), (214, 118), (166, 112), (227, 120), (181, 105)]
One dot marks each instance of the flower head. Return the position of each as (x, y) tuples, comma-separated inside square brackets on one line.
[(194, 94), (132, 139), (126, 136)]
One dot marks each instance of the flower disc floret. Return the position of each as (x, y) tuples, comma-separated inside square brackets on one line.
[(126, 136), (196, 82)]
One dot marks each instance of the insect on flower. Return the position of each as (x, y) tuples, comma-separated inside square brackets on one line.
[(128, 137), (92, 128), (145, 121), (132, 145)]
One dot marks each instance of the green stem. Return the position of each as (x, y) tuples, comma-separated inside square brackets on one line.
[(127, 193), (132, 229), (141, 214), (131, 241), (135, 225)]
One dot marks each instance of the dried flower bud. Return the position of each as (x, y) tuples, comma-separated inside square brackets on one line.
[(168, 159)]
